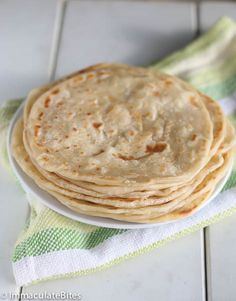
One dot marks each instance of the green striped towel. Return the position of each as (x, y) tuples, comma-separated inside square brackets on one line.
[(53, 246)]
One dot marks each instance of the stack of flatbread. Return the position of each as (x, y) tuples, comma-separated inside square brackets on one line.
[(125, 143)]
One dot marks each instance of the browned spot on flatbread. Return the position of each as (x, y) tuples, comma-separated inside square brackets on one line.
[(36, 130), (40, 116), (193, 138), (157, 148), (47, 102), (126, 158), (97, 125)]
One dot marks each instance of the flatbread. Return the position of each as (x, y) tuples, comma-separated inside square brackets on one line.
[(25, 162), (87, 188), (124, 143), (109, 125), (137, 214)]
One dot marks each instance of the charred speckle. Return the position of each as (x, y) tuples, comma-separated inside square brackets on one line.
[(157, 148), (97, 125)]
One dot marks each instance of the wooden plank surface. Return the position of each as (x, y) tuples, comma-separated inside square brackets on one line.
[(26, 30), (136, 33), (220, 237)]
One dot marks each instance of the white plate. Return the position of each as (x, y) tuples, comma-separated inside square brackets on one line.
[(52, 203)]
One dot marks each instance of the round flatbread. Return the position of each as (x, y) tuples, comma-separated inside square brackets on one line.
[(115, 124), (124, 143)]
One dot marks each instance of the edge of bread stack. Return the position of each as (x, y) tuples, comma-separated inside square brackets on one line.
[(125, 143)]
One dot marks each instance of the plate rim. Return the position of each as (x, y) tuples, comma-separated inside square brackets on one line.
[(69, 213)]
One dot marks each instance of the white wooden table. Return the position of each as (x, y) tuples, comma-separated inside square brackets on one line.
[(41, 40)]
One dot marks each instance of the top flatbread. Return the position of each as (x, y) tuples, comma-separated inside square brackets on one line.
[(115, 124)]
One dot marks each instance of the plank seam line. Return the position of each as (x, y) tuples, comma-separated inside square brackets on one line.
[(207, 265), (197, 5), (57, 33)]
